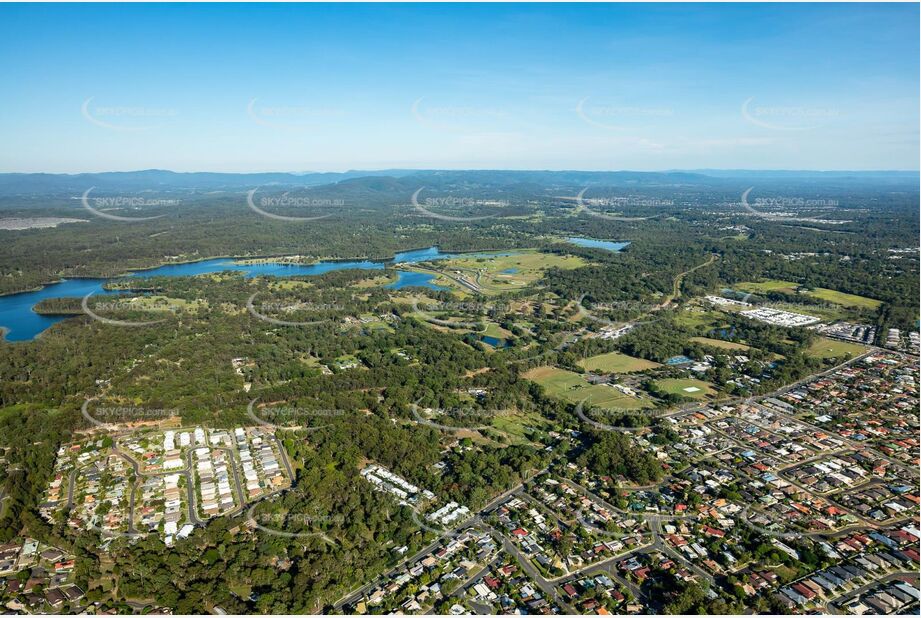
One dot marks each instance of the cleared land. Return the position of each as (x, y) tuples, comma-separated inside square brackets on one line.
[(719, 343), (697, 317), (848, 300), (573, 388), (686, 387), (615, 362), (771, 285), (831, 348), (505, 273), (494, 330), (832, 296), (515, 425)]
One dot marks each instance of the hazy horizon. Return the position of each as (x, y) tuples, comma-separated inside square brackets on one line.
[(480, 169), (642, 87)]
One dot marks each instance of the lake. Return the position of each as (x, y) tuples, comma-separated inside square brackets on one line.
[(610, 245), (19, 321), (494, 341), (408, 279)]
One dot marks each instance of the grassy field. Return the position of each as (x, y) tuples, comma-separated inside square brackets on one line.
[(831, 348), (831, 296), (615, 362), (347, 361), (494, 330), (506, 273), (162, 303), (516, 425), (573, 388), (719, 343), (376, 324), (771, 285), (697, 317), (847, 300), (680, 386)]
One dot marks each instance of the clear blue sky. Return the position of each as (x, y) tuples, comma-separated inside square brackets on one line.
[(334, 87)]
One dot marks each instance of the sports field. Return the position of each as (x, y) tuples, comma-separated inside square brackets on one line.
[(615, 362), (686, 387), (823, 347), (573, 388)]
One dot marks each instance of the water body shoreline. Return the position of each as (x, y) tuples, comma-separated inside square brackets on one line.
[(20, 322)]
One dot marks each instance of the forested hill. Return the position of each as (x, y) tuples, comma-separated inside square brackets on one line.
[(163, 180)]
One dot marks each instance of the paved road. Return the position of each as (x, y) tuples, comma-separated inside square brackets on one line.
[(797, 484), (676, 555), (833, 604), (71, 484), (609, 568), (459, 281), (191, 498), (187, 472), (358, 594), (241, 499), (462, 590), (604, 566), (355, 595), (548, 589), (655, 520), (912, 471), (693, 407), (134, 489), (284, 457)]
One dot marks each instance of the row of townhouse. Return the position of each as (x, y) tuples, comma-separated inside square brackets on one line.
[(212, 469)]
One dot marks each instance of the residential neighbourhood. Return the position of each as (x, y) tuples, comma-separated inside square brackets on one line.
[(163, 482), (37, 578), (805, 500)]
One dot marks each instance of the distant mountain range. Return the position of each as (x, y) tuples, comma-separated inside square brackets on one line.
[(385, 180)]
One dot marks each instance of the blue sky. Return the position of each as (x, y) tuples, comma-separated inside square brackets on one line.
[(358, 86)]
